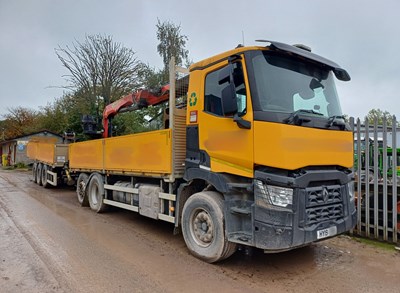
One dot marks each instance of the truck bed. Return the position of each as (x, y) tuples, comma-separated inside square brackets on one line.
[(48, 152), (158, 153), (143, 153)]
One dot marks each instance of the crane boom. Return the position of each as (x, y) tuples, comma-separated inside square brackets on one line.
[(131, 102)]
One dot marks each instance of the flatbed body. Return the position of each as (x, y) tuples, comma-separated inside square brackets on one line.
[(48, 152), (159, 153)]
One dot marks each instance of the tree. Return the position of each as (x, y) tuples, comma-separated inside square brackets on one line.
[(379, 115), (56, 116), (171, 44), (152, 78), (19, 121), (100, 70)]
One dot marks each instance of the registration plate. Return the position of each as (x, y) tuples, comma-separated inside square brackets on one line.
[(331, 231)]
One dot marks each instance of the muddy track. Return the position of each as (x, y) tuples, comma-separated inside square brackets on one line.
[(72, 249)]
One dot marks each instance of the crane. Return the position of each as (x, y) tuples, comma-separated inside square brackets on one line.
[(132, 102)]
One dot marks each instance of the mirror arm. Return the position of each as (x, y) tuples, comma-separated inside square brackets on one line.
[(244, 124)]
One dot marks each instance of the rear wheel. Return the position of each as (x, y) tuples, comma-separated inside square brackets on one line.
[(81, 189), (96, 193), (44, 176), (39, 173), (203, 227), (34, 175)]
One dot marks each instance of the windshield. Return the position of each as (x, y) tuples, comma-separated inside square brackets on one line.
[(285, 84)]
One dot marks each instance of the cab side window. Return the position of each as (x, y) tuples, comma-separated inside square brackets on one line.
[(213, 91)]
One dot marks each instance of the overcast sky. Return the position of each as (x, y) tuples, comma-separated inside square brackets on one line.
[(361, 36)]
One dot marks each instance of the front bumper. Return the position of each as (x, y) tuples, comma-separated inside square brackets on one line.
[(275, 237), (320, 201)]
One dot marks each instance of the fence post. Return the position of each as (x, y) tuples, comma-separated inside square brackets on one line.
[(385, 180), (394, 179), (366, 199), (359, 167)]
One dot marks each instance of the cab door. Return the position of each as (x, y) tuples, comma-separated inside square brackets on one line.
[(225, 146)]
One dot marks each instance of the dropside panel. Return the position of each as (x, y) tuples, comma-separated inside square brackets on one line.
[(31, 150), (42, 151), (86, 155), (147, 153)]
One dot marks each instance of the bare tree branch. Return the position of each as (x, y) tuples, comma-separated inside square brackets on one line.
[(100, 68)]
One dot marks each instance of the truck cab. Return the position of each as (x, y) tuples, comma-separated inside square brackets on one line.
[(266, 130)]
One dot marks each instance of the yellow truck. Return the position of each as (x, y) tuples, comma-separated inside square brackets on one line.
[(259, 155)]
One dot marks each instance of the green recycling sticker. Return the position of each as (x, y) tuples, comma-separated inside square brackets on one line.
[(193, 100)]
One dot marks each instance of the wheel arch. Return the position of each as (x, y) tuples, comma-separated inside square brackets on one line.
[(185, 191), (198, 180), (205, 180), (218, 180)]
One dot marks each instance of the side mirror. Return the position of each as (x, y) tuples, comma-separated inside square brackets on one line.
[(229, 103), (228, 99), (225, 74)]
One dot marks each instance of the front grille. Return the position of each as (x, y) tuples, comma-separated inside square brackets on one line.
[(323, 203), (323, 213), (323, 195)]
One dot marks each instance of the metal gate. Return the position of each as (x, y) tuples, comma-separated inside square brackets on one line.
[(377, 179)]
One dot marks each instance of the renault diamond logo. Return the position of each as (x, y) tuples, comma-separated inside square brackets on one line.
[(325, 194)]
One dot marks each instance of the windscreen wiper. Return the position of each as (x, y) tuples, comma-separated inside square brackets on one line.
[(299, 116)]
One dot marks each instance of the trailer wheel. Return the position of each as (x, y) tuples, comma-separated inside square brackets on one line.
[(39, 174), (81, 189), (203, 227), (45, 184), (96, 193), (34, 175)]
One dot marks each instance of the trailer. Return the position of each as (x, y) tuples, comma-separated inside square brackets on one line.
[(49, 159), (256, 153)]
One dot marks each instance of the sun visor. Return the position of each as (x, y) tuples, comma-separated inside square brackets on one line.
[(339, 72)]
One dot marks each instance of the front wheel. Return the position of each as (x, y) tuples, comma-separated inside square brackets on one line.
[(96, 193), (203, 227)]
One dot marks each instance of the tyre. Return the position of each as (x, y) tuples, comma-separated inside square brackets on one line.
[(39, 174), (45, 184), (96, 193), (34, 175), (81, 189), (203, 227)]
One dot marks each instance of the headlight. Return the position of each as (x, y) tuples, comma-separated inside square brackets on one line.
[(350, 187), (268, 195)]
